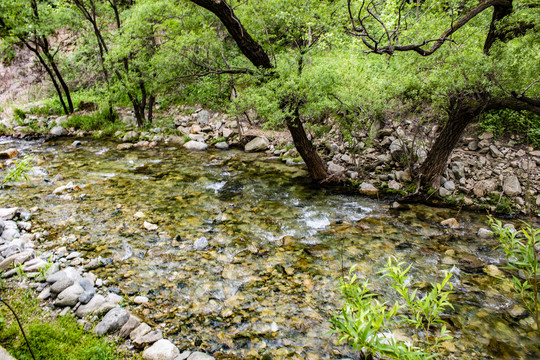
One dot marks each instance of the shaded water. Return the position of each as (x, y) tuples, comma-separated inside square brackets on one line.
[(266, 283)]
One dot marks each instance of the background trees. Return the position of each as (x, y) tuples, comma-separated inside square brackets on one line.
[(298, 64)]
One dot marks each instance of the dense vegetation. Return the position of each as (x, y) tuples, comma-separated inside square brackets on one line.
[(296, 63)]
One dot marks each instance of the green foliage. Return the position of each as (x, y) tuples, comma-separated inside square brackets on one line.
[(19, 170), (103, 120), (366, 323), (521, 252), (506, 122), (58, 339), (19, 114)]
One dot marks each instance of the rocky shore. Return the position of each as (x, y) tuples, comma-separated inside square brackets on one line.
[(66, 283), (484, 173)]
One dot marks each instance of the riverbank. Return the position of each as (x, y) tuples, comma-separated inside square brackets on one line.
[(65, 285), (496, 175)]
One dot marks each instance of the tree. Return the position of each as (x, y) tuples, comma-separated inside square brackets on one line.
[(290, 104), (31, 23), (390, 27)]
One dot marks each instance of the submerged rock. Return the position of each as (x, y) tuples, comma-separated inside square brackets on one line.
[(451, 223)]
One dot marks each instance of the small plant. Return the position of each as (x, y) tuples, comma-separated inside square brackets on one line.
[(520, 247), (20, 170), (366, 323), (19, 269), (19, 115)]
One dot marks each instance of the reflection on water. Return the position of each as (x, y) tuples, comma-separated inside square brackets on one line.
[(265, 283)]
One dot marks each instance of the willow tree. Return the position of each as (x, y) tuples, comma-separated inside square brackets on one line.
[(306, 27), (482, 61)]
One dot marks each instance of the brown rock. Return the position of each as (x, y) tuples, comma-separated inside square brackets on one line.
[(9, 154)]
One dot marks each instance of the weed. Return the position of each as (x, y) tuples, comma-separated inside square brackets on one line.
[(103, 120), (366, 323), (521, 252), (20, 170)]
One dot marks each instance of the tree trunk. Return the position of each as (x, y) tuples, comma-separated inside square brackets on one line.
[(62, 82), (151, 101), (437, 158), (500, 11), (249, 47), (42, 61), (316, 166)]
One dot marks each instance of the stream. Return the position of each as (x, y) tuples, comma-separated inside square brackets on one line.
[(247, 254)]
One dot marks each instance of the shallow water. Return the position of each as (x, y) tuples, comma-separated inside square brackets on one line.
[(266, 283)]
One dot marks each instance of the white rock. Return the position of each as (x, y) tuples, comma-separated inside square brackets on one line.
[(149, 226), (161, 350), (257, 144), (195, 145), (200, 356)]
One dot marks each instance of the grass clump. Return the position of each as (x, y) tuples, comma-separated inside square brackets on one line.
[(104, 120), (52, 339)]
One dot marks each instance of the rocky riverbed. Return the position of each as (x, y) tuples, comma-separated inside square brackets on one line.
[(236, 255)]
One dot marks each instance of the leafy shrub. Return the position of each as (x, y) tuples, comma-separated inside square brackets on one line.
[(520, 248), (508, 122), (19, 114), (366, 323)]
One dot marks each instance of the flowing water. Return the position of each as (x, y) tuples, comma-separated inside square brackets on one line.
[(266, 282)]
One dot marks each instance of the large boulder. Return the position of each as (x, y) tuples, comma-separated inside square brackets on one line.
[(511, 185), (70, 296), (113, 320), (257, 144), (161, 350)]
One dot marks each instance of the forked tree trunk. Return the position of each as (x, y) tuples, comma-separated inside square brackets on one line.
[(315, 165)]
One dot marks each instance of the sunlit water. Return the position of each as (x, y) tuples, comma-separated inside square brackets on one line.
[(266, 284)]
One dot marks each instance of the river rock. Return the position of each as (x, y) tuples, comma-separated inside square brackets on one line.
[(495, 152), (58, 131), (141, 300), (70, 296), (451, 223), (200, 244), (484, 233), (9, 154), (161, 350), (62, 285), (125, 146), (132, 323), (175, 139), (335, 169), (203, 117), (396, 150), (511, 185), (89, 291), (112, 321), (368, 189), (449, 185), (149, 226), (257, 144), (200, 356), (222, 145), (493, 270), (484, 187), (195, 145), (92, 307), (16, 259), (8, 213), (444, 192), (147, 339), (34, 265), (140, 331), (10, 231), (131, 136)]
